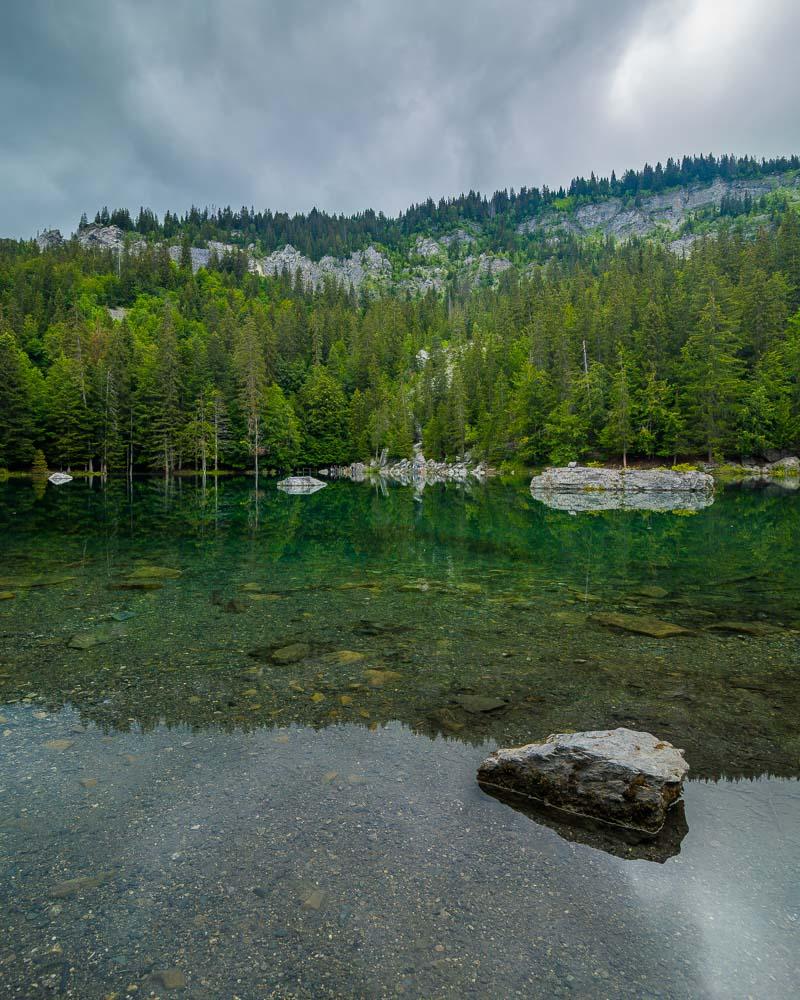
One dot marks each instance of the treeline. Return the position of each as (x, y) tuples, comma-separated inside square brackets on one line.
[(608, 351), (319, 233)]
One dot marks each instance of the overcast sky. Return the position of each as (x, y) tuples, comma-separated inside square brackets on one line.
[(349, 104)]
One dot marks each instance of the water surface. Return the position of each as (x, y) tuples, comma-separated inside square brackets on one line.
[(306, 822)]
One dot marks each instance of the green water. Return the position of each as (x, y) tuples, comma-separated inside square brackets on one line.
[(276, 705)]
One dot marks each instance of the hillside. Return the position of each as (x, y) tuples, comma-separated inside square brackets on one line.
[(468, 240), (598, 322)]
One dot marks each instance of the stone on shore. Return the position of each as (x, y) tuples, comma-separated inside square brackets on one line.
[(581, 478), (617, 776)]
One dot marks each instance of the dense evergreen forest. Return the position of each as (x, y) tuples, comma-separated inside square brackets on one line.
[(604, 350)]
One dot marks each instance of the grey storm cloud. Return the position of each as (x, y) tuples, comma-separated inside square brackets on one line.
[(349, 104)]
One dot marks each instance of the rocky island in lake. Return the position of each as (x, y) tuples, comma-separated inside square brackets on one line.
[(586, 479)]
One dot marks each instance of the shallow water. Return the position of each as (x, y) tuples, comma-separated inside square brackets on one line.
[(305, 822)]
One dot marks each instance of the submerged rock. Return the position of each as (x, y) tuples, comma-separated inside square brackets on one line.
[(478, 704), (292, 653), (98, 636), (756, 629), (617, 776), (33, 582), (73, 886), (148, 572), (641, 625)]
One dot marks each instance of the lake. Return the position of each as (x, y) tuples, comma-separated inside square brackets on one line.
[(239, 733)]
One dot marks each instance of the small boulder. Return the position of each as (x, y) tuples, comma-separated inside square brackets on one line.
[(292, 653), (617, 776)]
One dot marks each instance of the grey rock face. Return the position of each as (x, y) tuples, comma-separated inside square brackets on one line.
[(617, 776), (352, 270), (426, 247), (50, 239), (101, 237), (583, 479), (621, 219), (458, 236), (487, 265)]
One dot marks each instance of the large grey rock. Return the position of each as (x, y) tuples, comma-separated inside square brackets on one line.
[(354, 270), (790, 466), (583, 479), (617, 776), (301, 484)]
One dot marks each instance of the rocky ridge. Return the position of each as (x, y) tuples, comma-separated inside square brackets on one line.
[(429, 264), (624, 219)]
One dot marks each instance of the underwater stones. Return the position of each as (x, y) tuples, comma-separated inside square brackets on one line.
[(314, 899), (73, 886), (378, 677), (617, 776), (154, 573), (757, 630), (97, 636), (234, 607), (477, 704), (170, 979), (651, 590), (641, 625), (343, 656), (32, 582), (446, 720), (293, 653), (58, 744)]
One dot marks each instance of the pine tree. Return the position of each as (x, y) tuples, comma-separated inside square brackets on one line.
[(281, 440), (16, 405), (617, 434), (70, 421), (165, 423), (252, 384), (323, 412), (711, 378)]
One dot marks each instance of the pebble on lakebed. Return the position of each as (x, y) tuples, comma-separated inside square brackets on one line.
[(617, 776)]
